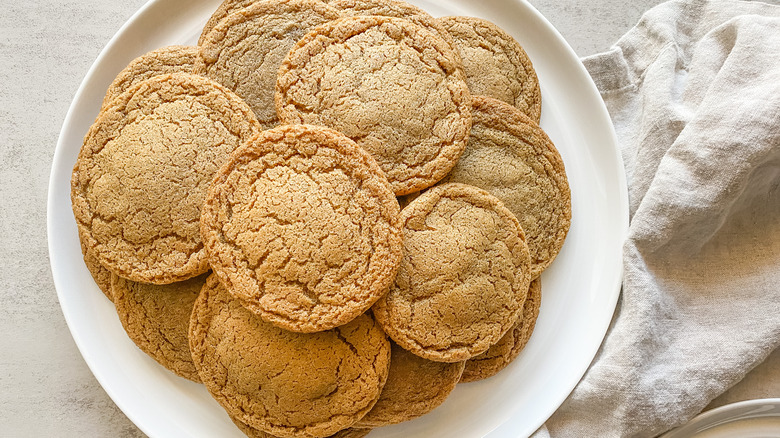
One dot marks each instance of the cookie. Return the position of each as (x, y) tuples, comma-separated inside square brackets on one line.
[(302, 227), (392, 86), (100, 274), (225, 8), (144, 169), (463, 278), (495, 64), (171, 59), (251, 432), (394, 8), (157, 318), (502, 353), (351, 432), (415, 386), (244, 50), (281, 382), (511, 157)]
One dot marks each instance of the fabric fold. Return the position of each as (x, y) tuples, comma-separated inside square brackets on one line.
[(694, 93)]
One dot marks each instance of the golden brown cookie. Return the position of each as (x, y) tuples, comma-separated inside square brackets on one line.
[(144, 169), (302, 227), (511, 157), (502, 353), (171, 59), (225, 8), (244, 50), (392, 86), (415, 386), (463, 278), (251, 432), (157, 319), (495, 64), (100, 274), (394, 8), (285, 383)]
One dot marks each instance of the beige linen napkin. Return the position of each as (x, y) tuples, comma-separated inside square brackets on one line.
[(694, 93)]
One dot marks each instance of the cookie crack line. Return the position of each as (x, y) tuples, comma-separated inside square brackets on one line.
[(211, 59), (314, 262), (343, 339), (412, 46), (152, 142), (306, 287)]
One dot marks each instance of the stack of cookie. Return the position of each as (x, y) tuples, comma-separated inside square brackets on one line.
[(240, 203)]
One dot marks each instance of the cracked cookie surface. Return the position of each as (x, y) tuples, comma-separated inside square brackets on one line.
[(144, 169), (251, 432), (243, 51), (171, 59), (495, 64), (463, 278), (157, 319), (224, 9), (281, 382), (394, 8), (502, 353), (511, 157), (414, 387), (301, 225), (392, 86)]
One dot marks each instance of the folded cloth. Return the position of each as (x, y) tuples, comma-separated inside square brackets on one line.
[(694, 93)]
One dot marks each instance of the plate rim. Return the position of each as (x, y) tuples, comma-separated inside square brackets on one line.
[(50, 207), (617, 281), (622, 204), (730, 412)]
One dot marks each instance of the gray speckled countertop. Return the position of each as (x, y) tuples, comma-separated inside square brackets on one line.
[(46, 49)]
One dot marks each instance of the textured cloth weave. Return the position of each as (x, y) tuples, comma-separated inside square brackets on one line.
[(694, 93)]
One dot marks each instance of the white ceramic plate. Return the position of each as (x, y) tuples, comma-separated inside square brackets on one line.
[(747, 419), (580, 289)]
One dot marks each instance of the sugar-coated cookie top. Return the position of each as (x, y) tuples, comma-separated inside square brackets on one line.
[(391, 85), (157, 319), (415, 386), (495, 64), (302, 227), (170, 59), (503, 352), (243, 51), (144, 169), (463, 278), (511, 157), (281, 382)]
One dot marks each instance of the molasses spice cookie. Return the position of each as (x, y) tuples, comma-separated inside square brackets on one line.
[(302, 227), (393, 8), (463, 278), (157, 319), (144, 170), (511, 157), (225, 8), (495, 64), (244, 50), (171, 59), (284, 383), (502, 353), (415, 386), (394, 87)]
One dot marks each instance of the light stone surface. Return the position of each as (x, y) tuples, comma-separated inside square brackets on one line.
[(46, 49)]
